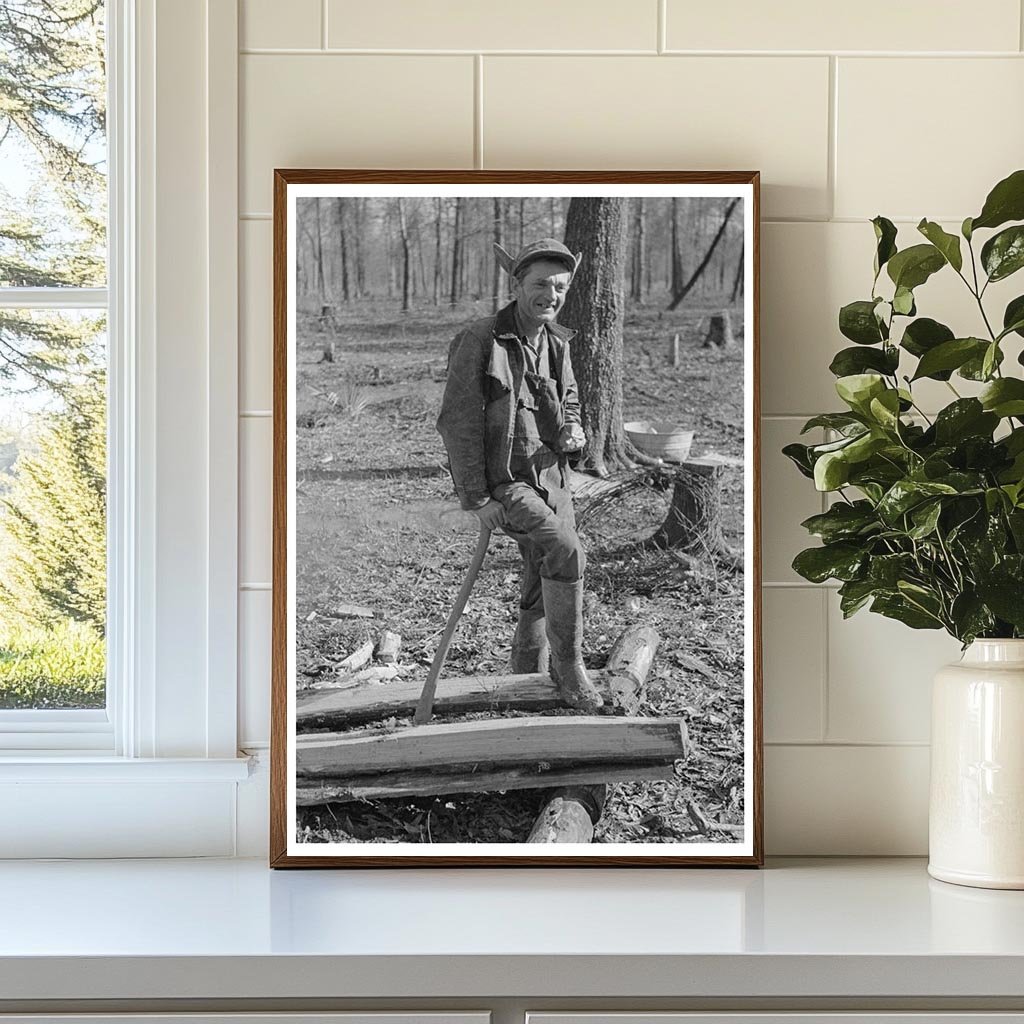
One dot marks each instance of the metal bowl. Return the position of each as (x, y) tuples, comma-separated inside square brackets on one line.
[(660, 438)]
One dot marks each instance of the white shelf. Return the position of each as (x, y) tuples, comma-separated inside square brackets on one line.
[(233, 929)]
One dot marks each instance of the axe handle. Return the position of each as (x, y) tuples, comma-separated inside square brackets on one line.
[(425, 707)]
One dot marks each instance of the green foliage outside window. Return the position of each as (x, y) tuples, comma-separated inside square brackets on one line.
[(52, 365)]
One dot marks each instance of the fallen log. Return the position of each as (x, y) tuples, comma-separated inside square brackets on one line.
[(472, 750), (571, 814), (337, 708), (430, 783)]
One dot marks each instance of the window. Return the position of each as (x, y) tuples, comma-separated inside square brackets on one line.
[(53, 366)]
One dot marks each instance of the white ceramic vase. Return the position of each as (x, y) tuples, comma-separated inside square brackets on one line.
[(976, 814)]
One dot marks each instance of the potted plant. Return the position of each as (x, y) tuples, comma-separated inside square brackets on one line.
[(927, 521)]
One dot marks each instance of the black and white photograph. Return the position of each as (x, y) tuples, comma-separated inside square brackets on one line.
[(515, 548)]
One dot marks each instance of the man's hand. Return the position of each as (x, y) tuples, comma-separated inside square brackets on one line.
[(491, 515), (571, 438)]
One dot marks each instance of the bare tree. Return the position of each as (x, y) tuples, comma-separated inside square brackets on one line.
[(636, 277), (686, 288)]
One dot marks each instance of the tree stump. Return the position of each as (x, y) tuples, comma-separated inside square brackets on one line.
[(694, 520), (673, 351), (719, 331)]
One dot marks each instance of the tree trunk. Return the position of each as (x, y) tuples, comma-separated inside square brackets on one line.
[(499, 221), (360, 219), (684, 290), (456, 252), (675, 251), (737, 281), (343, 239), (321, 288), (403, 233), (636, 281), (594, 307)]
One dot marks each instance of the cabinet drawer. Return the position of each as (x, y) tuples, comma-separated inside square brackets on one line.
[(360, 1017), (933, 1017)]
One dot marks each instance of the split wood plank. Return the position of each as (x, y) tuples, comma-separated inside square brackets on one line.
[(431, 783), (466, 747), (326, 709)]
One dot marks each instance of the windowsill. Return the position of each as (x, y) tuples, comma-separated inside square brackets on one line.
[(81, 766), (819, 929)]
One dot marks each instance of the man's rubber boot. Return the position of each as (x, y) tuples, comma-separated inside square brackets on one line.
[(530, 643), (563, 607)]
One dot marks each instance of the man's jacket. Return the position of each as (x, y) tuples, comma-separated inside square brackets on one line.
[(485, 376)]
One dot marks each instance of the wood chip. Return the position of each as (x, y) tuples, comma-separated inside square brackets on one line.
[(358, 658), (349, 611)]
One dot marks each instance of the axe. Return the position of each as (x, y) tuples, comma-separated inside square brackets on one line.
[(425, 707)]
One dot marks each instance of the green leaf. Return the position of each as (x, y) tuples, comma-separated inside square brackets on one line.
[(950, 355), (887, 570), (854, 594), (1003, 254), (832, 561), (900, 609), (965, 229), (885, 409), (1004, 397), (850, 361), (974, 368), (903, 302), (966, 417), (857, 321), (947, 244), (906, 494), (912, 267), (831, 471), (885, 236), (840, 421), (925, 334), (1005, 596), (799, 455), (990, 360), (1005, 202), (971, 617), (925, 518), (843, 521), (858, 389), (1013, 318)]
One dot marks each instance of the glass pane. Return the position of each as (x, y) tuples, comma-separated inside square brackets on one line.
[(53, 147), (52, 509)]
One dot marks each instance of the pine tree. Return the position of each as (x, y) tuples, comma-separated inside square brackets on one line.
[(53, 519), (53, 119)]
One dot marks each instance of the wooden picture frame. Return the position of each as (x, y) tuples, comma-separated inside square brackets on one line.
[(384, 792)]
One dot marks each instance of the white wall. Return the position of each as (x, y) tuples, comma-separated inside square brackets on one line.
[(906, 109)]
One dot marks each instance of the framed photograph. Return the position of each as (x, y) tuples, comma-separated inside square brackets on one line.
[(516, 586)]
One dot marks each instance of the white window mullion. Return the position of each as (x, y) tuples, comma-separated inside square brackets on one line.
[(53, 298)]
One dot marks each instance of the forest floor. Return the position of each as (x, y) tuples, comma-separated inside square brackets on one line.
[(377, 525)]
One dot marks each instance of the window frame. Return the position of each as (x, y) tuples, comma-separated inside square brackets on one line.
[(166, 774)]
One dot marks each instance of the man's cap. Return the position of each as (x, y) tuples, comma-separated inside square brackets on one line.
[(542, 249)]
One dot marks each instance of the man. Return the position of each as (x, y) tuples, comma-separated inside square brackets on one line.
[(509, 419)]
